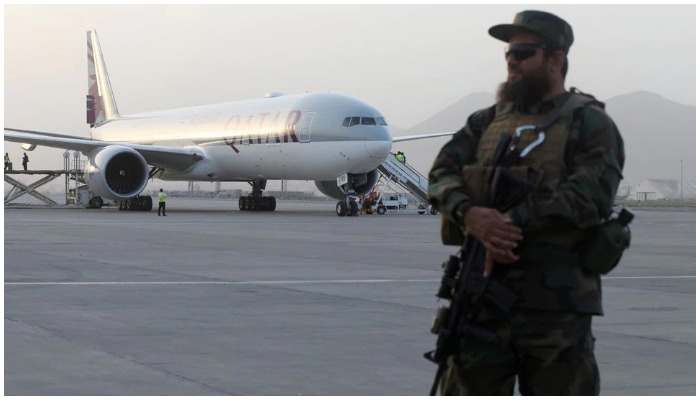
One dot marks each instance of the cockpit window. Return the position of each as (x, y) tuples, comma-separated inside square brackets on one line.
[(350, 121)]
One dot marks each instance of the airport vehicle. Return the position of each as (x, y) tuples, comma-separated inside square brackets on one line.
[(379, 203), (333, 139), (392, 202)]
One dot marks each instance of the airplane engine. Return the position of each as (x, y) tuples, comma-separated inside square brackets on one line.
[(116, 172), (363, 183)]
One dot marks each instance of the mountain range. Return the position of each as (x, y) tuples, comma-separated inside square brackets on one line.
[(658, 134)]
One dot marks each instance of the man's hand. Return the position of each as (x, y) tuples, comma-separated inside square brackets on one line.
[(507, 258), (497, 232)]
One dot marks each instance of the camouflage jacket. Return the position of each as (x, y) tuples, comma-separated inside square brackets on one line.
[(547, 276)]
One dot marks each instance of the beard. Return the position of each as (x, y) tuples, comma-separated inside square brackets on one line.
[(527, 91)]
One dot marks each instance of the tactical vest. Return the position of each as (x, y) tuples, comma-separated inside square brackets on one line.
[(548, 275), (546, 162)]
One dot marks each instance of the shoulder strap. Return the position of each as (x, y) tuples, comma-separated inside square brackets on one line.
[(573, 142), (479, 121), (576, 100)]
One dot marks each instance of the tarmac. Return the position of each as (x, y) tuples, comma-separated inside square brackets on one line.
[(214, 301)]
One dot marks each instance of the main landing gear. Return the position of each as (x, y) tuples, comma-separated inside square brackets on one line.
[(138, 203), (256, 201)]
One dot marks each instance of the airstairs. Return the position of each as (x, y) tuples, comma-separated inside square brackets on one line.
[(405, 176)]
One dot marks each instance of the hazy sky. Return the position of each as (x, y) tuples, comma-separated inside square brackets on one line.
[(409, 61)]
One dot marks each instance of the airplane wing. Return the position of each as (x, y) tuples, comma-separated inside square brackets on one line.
[(417, 137), (159, 156), (51, 134)]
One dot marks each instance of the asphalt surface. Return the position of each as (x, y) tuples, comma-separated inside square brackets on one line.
[(213, 301)]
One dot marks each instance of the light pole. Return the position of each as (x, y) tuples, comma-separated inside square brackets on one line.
[(681, 180)]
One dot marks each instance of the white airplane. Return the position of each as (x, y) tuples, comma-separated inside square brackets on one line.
[(333, 139)]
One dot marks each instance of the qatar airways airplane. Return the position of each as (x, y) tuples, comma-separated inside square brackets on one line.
[(333, 139)]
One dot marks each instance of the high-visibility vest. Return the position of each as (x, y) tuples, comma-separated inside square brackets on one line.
[(161, 197), (7, 158), (401, 157)]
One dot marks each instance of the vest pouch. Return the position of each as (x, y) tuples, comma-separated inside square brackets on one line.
[(603, 245)]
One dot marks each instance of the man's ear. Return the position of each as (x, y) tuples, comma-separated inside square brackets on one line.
[(556, 61)]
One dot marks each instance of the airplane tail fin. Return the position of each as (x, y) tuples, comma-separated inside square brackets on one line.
[(101, 105)]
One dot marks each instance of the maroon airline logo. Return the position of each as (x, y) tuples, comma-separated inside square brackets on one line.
[(262, 128)]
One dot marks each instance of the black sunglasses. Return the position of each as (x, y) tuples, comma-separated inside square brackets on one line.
[(523, 51)]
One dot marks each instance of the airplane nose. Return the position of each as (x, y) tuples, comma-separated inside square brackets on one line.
[(378, 142)]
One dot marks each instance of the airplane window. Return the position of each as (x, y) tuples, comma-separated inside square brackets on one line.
[(381, 121), (354, 121), (368, 121), (346, 121)]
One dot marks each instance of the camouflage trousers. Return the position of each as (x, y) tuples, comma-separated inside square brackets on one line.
[(551, 353)]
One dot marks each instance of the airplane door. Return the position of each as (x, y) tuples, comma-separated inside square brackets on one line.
[(306, 121)]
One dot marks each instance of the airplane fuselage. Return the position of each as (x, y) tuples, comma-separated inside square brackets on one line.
[(315, 136)]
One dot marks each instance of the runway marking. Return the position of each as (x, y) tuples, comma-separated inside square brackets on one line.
[(649, 277), (230, 282), (296, 282)]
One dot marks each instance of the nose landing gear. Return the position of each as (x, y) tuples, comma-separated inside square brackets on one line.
[(347, 208)]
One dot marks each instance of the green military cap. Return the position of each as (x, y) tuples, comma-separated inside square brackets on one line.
[(553, 30)]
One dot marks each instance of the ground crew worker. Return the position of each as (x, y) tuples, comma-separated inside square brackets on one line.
[(161, 202), (25, 161), (533, 248), (8, 163), (401, 157)]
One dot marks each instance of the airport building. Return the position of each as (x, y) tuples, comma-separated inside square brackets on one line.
[(658, 189)]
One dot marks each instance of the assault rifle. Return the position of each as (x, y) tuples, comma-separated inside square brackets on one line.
[(470, 289)]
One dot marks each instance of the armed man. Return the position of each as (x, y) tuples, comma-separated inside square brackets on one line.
[(525, 181)]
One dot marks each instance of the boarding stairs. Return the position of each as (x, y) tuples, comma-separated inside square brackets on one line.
[(405, 176)]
